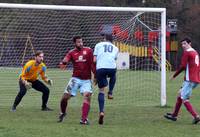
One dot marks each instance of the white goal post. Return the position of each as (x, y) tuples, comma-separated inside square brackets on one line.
[(138, 23)]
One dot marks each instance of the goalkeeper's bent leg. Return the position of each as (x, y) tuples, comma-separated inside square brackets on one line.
[(39, 86), (20, 94), (45, 98)]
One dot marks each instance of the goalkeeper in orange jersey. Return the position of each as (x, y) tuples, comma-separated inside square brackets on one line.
[(29, 79)]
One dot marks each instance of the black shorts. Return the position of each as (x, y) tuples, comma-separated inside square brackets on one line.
[(102, 75)]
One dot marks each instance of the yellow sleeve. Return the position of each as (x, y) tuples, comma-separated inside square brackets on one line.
[(43, 73), (26, 69)]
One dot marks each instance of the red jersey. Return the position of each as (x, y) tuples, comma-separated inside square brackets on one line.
[(82, 61), (190, 63)]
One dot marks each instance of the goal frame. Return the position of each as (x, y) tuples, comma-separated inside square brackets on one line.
[(99, 8)]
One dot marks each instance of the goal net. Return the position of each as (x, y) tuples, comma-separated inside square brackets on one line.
[(139, 33)]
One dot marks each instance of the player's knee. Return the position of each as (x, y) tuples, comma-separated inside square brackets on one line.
[(66, 96), (102, 90), (186, 100), (21, 93), (87, 96), (46, 90)]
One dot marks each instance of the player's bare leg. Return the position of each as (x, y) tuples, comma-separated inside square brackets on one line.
[(63, 106)]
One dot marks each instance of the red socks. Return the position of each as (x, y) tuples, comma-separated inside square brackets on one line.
[(63, 105), (85, 110), (177, 106), (190, 109), (188, 106)]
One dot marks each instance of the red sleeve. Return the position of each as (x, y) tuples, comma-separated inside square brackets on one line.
[(67, 57), (93, 65), (182, 67)]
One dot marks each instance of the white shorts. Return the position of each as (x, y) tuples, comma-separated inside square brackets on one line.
[(186, 89), (76, 84)]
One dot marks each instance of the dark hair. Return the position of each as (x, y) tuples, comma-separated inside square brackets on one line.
[(108, 37), (188, 40), (37, 53), (76, 37)]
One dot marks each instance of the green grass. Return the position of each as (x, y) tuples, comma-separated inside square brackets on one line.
[(134, 112)]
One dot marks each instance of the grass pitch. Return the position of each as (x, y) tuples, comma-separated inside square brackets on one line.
[(131, 114)]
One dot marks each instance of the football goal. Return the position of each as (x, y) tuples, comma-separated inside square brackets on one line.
[(139, 33)]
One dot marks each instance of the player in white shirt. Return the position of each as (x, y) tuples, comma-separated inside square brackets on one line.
[(105, 55)]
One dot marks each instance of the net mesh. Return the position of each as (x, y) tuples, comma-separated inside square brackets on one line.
[(23, 31)]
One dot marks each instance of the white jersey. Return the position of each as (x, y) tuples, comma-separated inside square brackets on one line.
[(106, 55)]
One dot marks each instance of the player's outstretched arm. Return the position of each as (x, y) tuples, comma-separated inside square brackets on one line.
[(171, 77), (63, 65)]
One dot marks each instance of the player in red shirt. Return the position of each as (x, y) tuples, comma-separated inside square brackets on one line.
[(189, 63), (82, 60)]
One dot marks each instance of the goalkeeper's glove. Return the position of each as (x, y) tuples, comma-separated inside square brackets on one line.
[(27, 84), (50, 82)]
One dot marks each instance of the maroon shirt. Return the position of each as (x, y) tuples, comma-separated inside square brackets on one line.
[(82, 61), (190, 63)]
